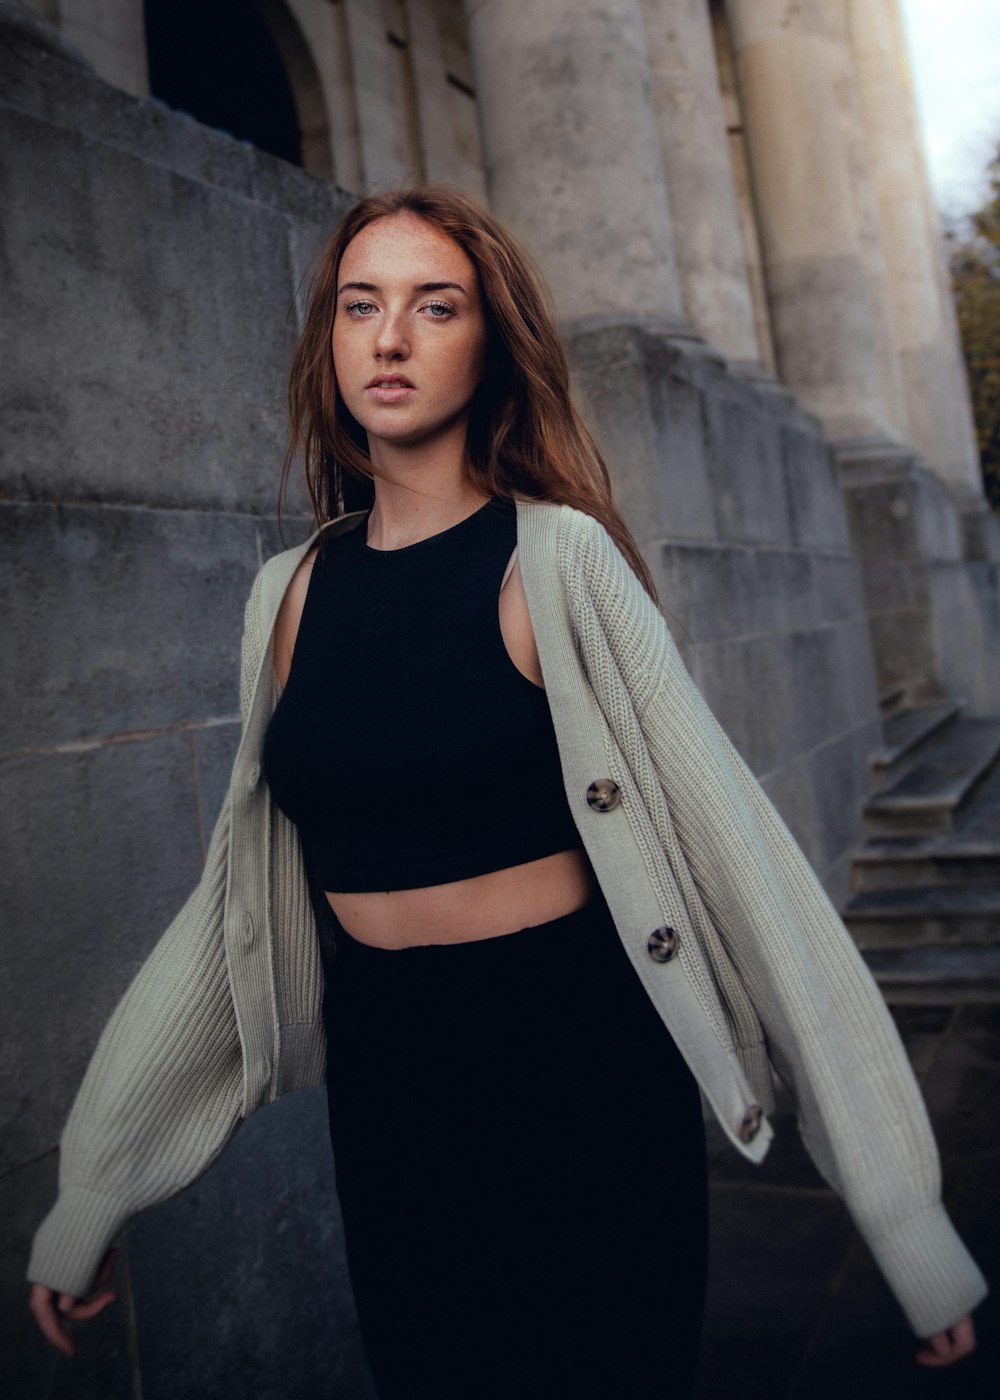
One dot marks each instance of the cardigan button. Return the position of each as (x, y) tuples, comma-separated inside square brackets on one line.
[(662, 944), (750, 1126), (603, 794), (248, 930)]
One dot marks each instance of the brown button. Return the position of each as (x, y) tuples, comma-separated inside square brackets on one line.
[(603, 794), (750, 1126), (662, 944)]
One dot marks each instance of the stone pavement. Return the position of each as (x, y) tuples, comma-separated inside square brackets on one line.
[(797, 1309)]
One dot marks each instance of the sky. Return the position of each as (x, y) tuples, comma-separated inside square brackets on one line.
[(955, 53)]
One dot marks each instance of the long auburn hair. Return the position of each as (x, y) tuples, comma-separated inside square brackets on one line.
[(525, 437)]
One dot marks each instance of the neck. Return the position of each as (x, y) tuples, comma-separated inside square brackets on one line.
[(407, 511)]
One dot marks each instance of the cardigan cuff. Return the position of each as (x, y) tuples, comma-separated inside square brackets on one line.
[(72, 1240), (935, 1279)]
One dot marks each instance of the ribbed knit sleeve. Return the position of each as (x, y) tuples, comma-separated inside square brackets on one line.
[(162, 1094), (828, 1030)]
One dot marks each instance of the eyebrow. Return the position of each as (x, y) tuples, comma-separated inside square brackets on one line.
[(419, 287)]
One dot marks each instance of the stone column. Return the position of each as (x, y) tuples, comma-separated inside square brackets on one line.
[(816, 279), (688, 103), (840, 62), (379, 99), (923, 315), (572, 152)]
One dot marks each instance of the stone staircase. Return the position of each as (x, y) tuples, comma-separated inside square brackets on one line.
[(926, 904)]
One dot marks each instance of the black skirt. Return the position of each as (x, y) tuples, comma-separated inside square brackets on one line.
[(520, 1163)]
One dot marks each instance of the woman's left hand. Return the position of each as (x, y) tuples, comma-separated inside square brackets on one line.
[(948, 1346)]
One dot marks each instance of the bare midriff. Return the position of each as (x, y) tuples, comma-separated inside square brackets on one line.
[(484, 906)]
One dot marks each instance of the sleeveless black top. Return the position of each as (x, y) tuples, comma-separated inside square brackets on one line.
[(407, 747)]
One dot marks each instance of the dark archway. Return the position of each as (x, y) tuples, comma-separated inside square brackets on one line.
[(217, 60)]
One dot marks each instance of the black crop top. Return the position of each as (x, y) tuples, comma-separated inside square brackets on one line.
[(407, 747)]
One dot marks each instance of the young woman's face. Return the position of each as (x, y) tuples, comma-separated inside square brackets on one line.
[(409, 332)]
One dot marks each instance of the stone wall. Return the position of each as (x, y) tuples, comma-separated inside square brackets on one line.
[(150, 270), (734, 495)]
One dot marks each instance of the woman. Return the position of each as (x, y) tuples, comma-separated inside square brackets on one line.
[(506, 874)]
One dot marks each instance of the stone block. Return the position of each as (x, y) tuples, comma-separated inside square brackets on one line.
[(908, 516), (938, 522), (817, 503), (836, 584), (968, 656), (214, 748), (100, 849), (274, 535), (683, 481), (647, 419), (299, 194), (904, 647), (813, 659), (747, 474), (856, 674), (120, 620), (840, 784), (734, 675), (30, 1365), (155, 376), (730, 591), (266, 1312)]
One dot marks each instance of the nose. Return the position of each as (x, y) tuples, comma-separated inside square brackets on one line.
[(391, 342)]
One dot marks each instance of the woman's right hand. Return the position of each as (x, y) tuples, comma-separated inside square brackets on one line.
[(50, 1307)]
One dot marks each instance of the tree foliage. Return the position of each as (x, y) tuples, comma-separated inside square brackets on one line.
[(975, 274)]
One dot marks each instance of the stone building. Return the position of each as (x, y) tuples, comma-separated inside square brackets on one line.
[(730, 203)]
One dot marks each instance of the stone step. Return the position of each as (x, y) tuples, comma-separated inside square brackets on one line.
[(903, 732), (901, 863), (890, 698), (920, 916), (936, 976), (942, 776)]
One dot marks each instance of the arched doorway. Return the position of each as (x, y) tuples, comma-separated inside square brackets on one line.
[(218, 61)]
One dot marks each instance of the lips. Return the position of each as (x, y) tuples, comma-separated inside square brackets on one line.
[(390, 388)]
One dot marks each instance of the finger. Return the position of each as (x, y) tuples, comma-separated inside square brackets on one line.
[(45, 1316), (937, 1352), (91, 1307), (950, 1346), (964, 1333)]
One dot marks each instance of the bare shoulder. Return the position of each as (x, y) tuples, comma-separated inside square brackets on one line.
[(286, 624)]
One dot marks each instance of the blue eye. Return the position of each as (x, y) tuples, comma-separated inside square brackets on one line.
[(440, 306), (352, 306)]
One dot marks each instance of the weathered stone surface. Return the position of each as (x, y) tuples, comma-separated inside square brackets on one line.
[(733, 675), (214, 750), (99, 850), (120, 620), (836, 585), (747, 475), (148, 379), (567, 122), (266, 1312), (813, 483), (731, 591)]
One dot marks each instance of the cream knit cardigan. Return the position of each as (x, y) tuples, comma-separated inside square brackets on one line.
[(226, 1013)]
